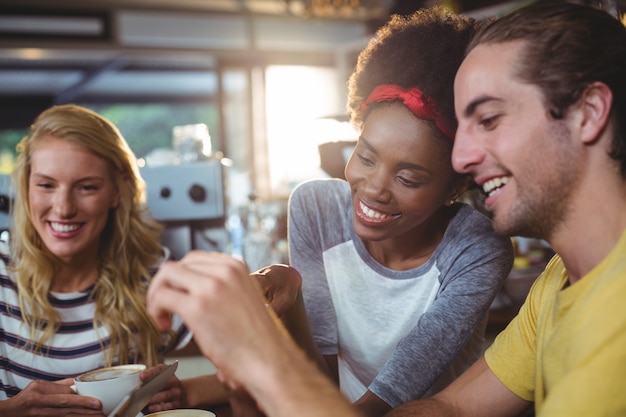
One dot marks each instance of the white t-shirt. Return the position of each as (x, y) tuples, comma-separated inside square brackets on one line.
[(400, 334)]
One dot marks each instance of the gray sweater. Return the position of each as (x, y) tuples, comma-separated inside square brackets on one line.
[(400, 334)]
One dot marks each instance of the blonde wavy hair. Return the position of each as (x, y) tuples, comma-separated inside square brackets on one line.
[(129, 244)]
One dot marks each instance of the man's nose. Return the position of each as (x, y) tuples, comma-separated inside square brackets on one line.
[(467, 152)]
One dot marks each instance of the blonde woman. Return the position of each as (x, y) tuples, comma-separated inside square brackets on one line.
[(74, 278)]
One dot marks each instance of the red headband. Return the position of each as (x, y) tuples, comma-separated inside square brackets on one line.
[(420, 105)]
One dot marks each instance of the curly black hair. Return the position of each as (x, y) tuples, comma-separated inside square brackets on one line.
[(423, 50)]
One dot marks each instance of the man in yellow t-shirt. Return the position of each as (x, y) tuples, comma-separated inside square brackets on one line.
[(566, 350), (541, 104)]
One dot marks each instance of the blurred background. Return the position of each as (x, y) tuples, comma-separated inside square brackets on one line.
[(228, 103)]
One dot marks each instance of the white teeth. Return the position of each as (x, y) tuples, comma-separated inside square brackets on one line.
[(64, 228), (491, 186), (371, 213)]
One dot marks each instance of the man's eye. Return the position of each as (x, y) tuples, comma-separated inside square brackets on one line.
[(489, 122)]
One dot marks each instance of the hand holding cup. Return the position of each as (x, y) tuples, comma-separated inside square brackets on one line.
[(109, 385)]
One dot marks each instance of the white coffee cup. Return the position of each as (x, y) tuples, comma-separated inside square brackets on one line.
[(182, 412), (109, 385)]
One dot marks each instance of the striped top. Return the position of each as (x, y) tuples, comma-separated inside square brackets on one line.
[(76, 348)]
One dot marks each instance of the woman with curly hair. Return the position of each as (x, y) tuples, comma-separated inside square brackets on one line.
[(83, 251), (396, 275)]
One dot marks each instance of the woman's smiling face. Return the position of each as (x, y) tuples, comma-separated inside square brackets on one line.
[(70, 193), (400, 173)]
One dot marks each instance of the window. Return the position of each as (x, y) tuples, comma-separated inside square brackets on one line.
[(296, 97)]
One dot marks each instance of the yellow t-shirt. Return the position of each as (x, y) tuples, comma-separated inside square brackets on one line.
[(566, 349)]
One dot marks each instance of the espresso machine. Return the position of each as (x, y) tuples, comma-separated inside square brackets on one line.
[(188, 199), (187, 194)]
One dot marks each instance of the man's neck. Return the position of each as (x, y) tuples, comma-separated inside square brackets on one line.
[(595, 223)]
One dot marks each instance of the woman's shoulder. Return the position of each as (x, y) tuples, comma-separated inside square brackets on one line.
[(321, 208), (321, 193), (471, 242), (471, 228), (468, 220), (322, 187)]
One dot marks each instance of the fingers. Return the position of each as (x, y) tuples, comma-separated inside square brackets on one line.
[(216, 259), (171, 392), (74, 400), (266, 285), (280, 284), (169, 291), (201, 285), (190, 273), (43, 398), (281, 303), (67, 382), (150, 373), (223, 307), (198, 274), (169, 397), (162, 406)]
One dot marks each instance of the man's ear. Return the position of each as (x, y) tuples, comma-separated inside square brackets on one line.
[(596, 104)]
